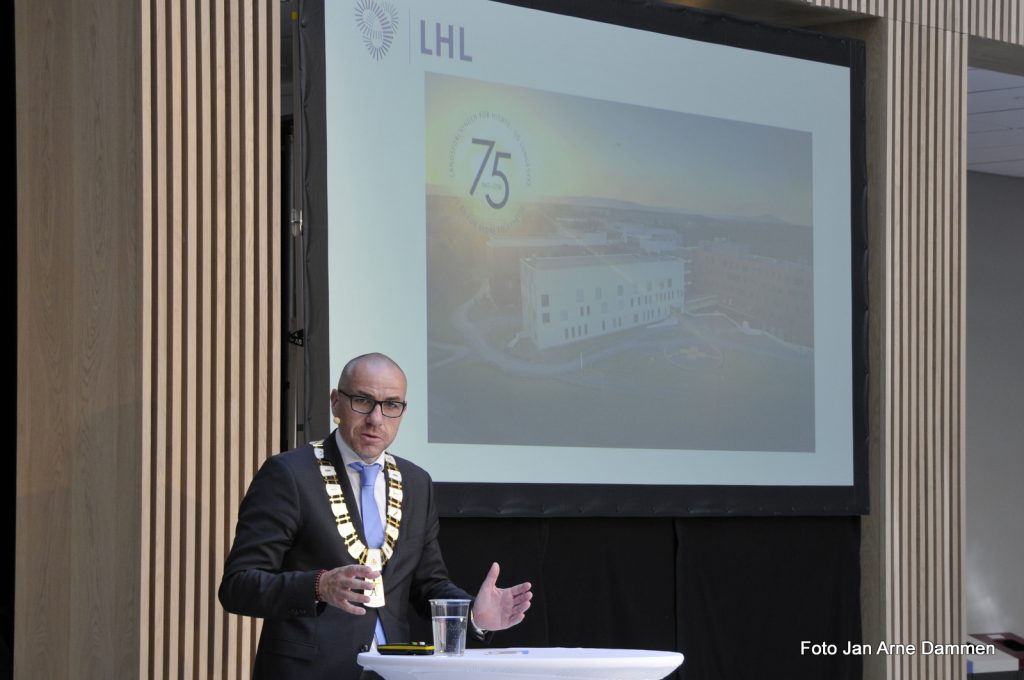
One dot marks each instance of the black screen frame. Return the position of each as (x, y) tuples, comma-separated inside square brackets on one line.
[(458, 499)]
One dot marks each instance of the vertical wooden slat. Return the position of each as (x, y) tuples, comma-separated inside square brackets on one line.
[(911, 513), (939, 355), (935, 226), (206, 549), (925, 453), (937, 496), (239, 650), (890, 533), (274, 266), (203, 573), (219, 482), (190, 431), (161, 395), (175, 402), (943, 555), (958, 320), (246, 195), (954, 239), (906, 497), (261, 242), (247, 112), (146, 449), (912, 351)]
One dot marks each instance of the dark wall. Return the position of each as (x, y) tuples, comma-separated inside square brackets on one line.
[(735, 595)]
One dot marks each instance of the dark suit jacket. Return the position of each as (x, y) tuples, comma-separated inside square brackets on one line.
[(286, 533)]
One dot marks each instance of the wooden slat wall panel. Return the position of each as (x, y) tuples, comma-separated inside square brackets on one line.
[(1001, 20), (211, 279), (921, 488), (925, 322), (948, 15)]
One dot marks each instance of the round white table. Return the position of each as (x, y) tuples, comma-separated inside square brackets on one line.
[(527, 663)]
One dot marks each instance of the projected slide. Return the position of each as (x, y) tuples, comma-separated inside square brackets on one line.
[(615, 275), (587, 243)]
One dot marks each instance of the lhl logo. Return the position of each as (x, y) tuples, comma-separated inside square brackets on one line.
[(378, 23), (443, 36)]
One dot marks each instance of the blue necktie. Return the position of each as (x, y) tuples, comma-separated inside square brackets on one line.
[(373, 530)]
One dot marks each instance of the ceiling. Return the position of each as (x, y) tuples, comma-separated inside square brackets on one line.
[(995, 122)]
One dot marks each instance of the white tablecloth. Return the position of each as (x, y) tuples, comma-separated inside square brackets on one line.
[(527, 663)]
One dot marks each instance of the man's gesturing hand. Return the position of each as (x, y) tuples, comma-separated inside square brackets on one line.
[(339, 586), (499, 608)]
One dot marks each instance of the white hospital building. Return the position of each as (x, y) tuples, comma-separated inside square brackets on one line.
[(566, 299)]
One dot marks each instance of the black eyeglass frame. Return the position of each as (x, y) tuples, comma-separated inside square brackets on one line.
[(376, 403)]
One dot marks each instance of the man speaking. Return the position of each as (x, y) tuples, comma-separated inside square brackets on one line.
[(335, 539)]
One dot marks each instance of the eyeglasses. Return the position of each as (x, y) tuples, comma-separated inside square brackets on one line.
[(389, 408)]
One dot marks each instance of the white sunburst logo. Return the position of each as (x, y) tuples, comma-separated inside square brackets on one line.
[(377, 21)]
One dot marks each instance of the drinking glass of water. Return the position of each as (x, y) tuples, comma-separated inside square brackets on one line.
[(449, 621)]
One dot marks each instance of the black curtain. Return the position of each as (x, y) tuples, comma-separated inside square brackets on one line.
[(735, 595)]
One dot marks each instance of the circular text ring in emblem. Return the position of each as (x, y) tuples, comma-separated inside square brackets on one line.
[(489, 169)]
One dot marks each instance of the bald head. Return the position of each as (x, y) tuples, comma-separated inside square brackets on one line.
[(373, 360)]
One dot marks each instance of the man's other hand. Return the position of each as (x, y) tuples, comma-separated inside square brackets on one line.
[(500, 608)]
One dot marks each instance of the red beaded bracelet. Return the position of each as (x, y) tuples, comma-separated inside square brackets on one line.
[(316, 585)]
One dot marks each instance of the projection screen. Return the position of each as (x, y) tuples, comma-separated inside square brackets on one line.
[(619, 255)]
